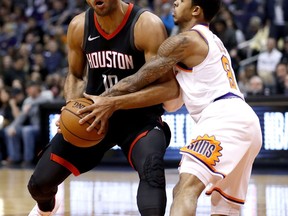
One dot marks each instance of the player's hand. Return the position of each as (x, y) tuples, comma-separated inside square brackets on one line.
[(101, 110)]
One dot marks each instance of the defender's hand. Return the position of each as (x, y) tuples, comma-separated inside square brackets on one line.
[(101, 110)]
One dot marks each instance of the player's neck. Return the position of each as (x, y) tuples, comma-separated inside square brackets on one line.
[(188, 25), (112, 21)]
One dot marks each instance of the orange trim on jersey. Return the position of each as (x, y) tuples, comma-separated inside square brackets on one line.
[(109, 36), (226, 196), (188, 70), (65, 163), (132, 146)]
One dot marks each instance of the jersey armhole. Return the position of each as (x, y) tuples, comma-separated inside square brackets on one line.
[(136, 17), (86, 27), (201, 35)]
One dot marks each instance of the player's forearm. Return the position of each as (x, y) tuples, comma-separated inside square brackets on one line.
[(73, 87), (147, 74), (152, 95)]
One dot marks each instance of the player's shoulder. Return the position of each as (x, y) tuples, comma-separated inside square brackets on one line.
[(77, 21), (76, 30), (149, 19), (185, 37)]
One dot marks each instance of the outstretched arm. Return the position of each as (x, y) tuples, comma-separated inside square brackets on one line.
[(172, 51)]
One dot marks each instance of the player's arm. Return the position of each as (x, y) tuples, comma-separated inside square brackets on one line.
[(149, 34), (75, 80), (173, 50)]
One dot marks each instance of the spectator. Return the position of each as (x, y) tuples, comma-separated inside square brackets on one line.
[(285, 50), (8, 38), (229, 18), (236, 54), (11, 100), (244, 10), (53, 57), (16, 71), (7, 111), (254, 25), (244, 77), (36, 9), (18, 84), (26, 127), (55, 82), (56, 16), (38, 65), (6, 65), (10, 104), (16, 100), (227, 35), (280, 76), (258, 34), (267, 62), (276, 14), (33, 28), (256, 86), (30, 41)]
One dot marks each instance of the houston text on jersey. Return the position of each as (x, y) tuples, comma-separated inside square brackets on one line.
[(110, 59)]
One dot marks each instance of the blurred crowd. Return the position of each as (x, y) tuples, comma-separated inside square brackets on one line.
[(33, 58)]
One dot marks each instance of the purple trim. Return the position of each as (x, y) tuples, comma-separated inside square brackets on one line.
[(229, 95)]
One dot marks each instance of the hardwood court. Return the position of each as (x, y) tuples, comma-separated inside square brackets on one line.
[(110, 191)]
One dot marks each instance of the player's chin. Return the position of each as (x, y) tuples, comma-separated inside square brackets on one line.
[(175, 20)]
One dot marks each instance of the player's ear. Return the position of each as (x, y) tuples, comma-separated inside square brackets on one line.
[(196, 10)]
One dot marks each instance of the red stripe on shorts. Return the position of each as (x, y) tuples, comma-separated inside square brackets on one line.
[(65, 163), (132, 145)]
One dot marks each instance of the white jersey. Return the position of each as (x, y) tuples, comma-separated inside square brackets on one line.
[(227, 134), (202, 84)]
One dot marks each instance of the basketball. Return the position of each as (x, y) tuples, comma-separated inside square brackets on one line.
[(76, 133)]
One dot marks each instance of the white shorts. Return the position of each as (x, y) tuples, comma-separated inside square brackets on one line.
[(226, 140)]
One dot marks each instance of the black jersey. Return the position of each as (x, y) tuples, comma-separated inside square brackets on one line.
[(112, 57)]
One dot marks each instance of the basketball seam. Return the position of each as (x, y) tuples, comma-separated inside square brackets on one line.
[(78, 116), (76, 134)]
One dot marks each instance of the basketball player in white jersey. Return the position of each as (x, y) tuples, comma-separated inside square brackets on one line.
[(227, 137)]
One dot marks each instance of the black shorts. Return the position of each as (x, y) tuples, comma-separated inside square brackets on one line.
[(122, 133)]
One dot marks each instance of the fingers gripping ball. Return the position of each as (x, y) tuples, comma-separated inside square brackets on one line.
[(74, 132)]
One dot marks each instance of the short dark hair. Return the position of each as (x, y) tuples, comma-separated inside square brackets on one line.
[(210, 7)]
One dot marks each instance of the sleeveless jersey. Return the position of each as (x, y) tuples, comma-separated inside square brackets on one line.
[(212, 78), (112, 57)]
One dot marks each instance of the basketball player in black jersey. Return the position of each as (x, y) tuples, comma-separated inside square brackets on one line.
[(107, 43)]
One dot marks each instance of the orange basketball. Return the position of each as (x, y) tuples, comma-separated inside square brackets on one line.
[(74, 132)]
